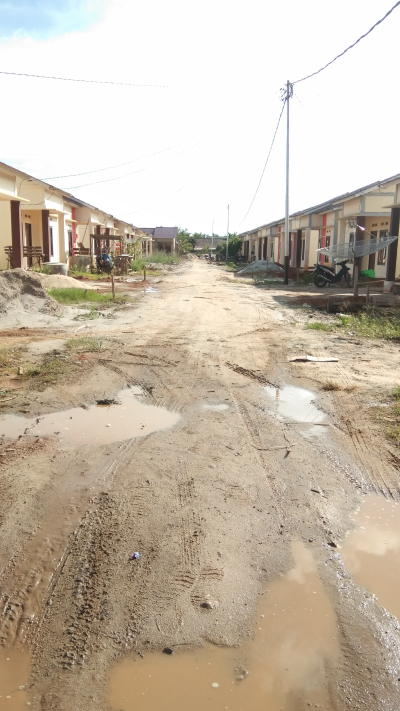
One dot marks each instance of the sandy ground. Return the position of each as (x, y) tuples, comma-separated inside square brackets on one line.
[(212, 504)]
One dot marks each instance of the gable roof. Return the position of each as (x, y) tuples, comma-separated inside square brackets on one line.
[(161, 232), (332, 204)]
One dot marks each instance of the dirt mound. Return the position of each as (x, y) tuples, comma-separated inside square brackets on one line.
[(260, 267), (23, 291), (59, 281)]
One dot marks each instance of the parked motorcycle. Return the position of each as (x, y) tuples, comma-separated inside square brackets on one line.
[(326, 275), (104, 263)]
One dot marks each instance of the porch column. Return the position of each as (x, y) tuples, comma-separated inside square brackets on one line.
[(16, 235), (46, 235), (392, 249), (298, 249), (360, 235)]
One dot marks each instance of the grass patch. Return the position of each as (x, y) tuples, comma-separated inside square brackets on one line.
[(47, 373), (89, 315), (332, 385), (74, 295), (366, 325), (372, 325), (306, 279), (319, 326), (87, 275), (85, 344), (7, 357)]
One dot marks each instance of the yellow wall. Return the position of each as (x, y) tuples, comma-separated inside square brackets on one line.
[(5, 230)]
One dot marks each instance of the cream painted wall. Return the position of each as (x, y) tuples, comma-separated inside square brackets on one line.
[(5, 230), (352, 207), (312, 259), (7, 182)]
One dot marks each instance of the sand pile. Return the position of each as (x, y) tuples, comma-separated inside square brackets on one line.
[(22, 291), (260, 267), (59, 281)]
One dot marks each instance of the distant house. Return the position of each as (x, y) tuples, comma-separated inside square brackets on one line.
[(163, 238), (208, 243)]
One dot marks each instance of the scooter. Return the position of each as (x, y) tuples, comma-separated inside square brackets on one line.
[(104, 263), (326, 275)]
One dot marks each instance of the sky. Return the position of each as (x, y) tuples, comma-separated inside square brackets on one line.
[(195, 139)]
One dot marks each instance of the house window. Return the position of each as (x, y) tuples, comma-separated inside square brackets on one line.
[(51, 242), (272, 250), (327, 245), (303, 249)]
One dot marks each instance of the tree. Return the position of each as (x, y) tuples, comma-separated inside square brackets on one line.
[(186, 241), (234, 247)]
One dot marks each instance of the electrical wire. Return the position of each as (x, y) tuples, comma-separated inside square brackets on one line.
[(88, 81), (351, 46), (111, 167), (266, 162), (119, 177)]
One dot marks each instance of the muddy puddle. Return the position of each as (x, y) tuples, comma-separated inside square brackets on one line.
[(282, 667), (95, 424), (371, 552), (296, 405), (14, 676)]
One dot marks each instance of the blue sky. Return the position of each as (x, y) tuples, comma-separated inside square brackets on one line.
[(42, 19)]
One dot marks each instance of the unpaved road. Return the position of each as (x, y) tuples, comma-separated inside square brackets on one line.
[(212, 504)]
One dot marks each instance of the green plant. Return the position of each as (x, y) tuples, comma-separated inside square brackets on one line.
[(42, 269), (306, 278), (85, 344), (74, 295), (234, 247), (319, 326), (89, 315)]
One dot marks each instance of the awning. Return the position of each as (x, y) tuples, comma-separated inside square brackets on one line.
[(5, 195)]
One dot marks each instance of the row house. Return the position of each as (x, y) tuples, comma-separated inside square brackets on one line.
[(369, 213), (38, 220)]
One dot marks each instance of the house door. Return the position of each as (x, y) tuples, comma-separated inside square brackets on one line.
[(28, 240), (54, 246)]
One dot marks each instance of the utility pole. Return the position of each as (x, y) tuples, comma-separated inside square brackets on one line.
[(212, 235), (287, 94), (227, 236)]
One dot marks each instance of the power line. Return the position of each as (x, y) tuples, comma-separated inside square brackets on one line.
[(351, 46), (266, 162), (89, 81), (111, 167), (119, 177)]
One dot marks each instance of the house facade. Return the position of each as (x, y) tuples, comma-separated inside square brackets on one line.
[(36, 215), (164, 239), (371, 212)]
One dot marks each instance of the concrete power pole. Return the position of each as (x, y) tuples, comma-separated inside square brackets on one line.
[(287, 94), (227, 236)]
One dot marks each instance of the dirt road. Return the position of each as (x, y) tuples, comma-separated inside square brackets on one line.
[(213, 503)]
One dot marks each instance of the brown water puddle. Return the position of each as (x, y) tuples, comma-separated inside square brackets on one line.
[(295, 636), (14, 675), (95, 425), (371, 553)]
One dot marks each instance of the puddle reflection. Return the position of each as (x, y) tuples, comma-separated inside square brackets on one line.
[(295, 636), (96, 424), (371, 553), (295, 404)]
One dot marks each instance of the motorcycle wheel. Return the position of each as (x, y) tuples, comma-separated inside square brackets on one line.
[(319, 281), (348, 280)]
